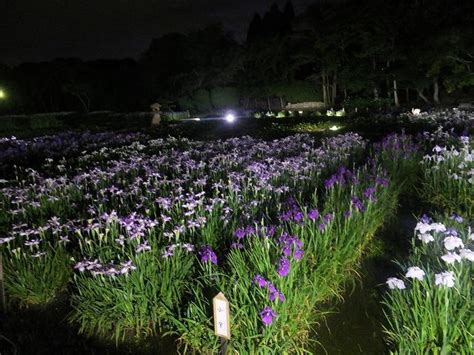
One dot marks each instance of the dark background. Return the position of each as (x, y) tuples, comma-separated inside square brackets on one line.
[(43, 30), (205, 56)]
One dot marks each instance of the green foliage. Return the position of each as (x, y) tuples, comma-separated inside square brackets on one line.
[(175, 116), (366, 103), (296, 91), (186, 104), (202, 101), (429, 318), (36, 280), (447, 181), (330, 255), (130, 305), (224, 97), (400, 156)]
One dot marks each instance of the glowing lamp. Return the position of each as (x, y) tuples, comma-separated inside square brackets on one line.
[(229, 117), (416, 111), (2, 94)]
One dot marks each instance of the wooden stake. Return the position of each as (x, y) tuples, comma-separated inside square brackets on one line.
[(223, 350), (3, 303)]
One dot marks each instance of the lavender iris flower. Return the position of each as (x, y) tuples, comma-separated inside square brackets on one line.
[(369, 193), (283, 267), (240, 233), (313, 214), (298, 217), (260, 281), (267, 315), (357, 203), (328, 217)]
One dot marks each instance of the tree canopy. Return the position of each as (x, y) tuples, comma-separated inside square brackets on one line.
[(399, 50)]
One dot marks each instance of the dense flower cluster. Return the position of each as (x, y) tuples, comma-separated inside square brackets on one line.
[(171, 217), (15, 151), (445, 240)]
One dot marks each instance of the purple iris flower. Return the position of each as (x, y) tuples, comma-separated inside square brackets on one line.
[(357, 203), (206, 254), (451, 232), (281, 296), (260, 281), (298, 254), (381, 181), (250, 230), (313, 214), (267, 315), (274, 294), (457, 218), (143, 247), (298, 217), (369, 193), (167, 253), (285, 216), (425, 219), (239, 233), (271, 230), (283, 267), (330, 182), (328, 217)]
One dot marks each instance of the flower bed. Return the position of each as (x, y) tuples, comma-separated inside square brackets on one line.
[(430, 310), (141, 237), (156, 229)]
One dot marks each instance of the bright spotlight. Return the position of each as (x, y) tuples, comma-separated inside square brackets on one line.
[(2, 94), (229, 117), (334, 128)]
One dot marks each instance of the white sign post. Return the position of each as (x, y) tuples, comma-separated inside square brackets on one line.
[(221, 320)]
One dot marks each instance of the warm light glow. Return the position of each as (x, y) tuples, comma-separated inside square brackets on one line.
[(334, 128), (229, 117), (2, 94), (416, 111)]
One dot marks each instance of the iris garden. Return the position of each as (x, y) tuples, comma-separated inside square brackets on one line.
[(139, 234)]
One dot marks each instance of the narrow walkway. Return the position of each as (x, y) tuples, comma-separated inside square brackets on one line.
[(356, 326)]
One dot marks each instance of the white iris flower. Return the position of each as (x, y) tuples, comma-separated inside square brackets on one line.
[(414, 272), (445, 279)]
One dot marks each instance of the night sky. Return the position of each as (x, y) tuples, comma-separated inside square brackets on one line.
[(40, 30)]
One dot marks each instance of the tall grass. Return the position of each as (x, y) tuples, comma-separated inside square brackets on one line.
[(36, 278)]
